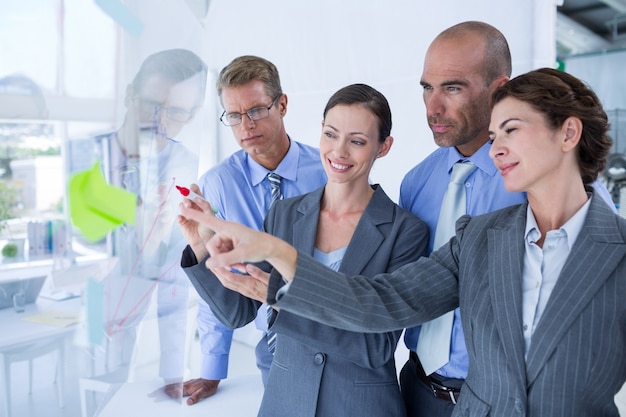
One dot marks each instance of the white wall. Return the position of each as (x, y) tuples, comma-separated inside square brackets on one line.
[(322, 45), (605, 74)]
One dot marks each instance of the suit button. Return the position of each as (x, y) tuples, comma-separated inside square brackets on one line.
[(518, 406), (318, 358)]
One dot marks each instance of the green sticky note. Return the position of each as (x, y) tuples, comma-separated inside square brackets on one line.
[(97, 208)]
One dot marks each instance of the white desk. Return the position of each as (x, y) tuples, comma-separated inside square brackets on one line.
[(15, 332), (24, 340), (238, 396)]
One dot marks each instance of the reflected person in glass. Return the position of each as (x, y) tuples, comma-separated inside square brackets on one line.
[(145, 157)]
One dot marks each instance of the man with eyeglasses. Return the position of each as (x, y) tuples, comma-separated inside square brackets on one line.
[(239, 190), (144, 157)]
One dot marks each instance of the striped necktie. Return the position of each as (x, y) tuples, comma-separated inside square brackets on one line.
[(274, 180)]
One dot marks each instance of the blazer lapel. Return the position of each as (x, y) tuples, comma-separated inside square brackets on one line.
[(367, 238), (305, 226), (505, 256), (595, 255)]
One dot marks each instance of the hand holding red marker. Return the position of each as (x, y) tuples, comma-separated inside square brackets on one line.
[(187, 193)]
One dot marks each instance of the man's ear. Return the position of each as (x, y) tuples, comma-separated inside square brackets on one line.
[(282, 104), (500, 81)]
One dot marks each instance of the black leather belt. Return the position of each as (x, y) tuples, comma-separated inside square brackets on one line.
[(450, 394)]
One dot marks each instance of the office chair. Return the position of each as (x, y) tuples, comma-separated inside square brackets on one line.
[(29, 353)]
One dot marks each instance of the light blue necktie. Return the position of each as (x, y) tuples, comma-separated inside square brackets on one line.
[(433, 345), (274, 180)]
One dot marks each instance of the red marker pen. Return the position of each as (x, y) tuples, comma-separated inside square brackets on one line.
[(187, 193)]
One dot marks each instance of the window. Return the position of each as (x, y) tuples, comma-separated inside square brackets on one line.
[(50, 68)]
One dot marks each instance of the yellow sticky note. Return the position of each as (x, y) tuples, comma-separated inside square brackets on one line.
[(54, 318), (96, 207)]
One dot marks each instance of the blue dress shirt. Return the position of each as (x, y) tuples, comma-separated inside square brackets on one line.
[(422, 191), (239, 189)]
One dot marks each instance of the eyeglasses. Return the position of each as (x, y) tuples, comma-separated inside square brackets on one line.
[(257, 113), (176, 114)]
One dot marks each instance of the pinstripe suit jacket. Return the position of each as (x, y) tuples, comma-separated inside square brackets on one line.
[(319, 370), (576, 362)]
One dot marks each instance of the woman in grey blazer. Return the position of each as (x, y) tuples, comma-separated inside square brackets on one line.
[(542, 285), (350, 226)]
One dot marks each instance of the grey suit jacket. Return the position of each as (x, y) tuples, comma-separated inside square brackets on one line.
[(319, 370), (577, 359)]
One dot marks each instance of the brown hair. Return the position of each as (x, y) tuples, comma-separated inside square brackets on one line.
[(248, 68), (368, 97), (558, 95)]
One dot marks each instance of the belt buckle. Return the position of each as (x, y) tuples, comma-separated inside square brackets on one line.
[(437, 387), (452, 399)]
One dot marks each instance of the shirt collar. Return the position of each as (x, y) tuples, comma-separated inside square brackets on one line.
[(571, 228), (287, 169), (480, 158)]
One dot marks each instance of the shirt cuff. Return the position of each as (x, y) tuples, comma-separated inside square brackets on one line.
[(189, 258), (283, 290), (214, 367), (274, 288)]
